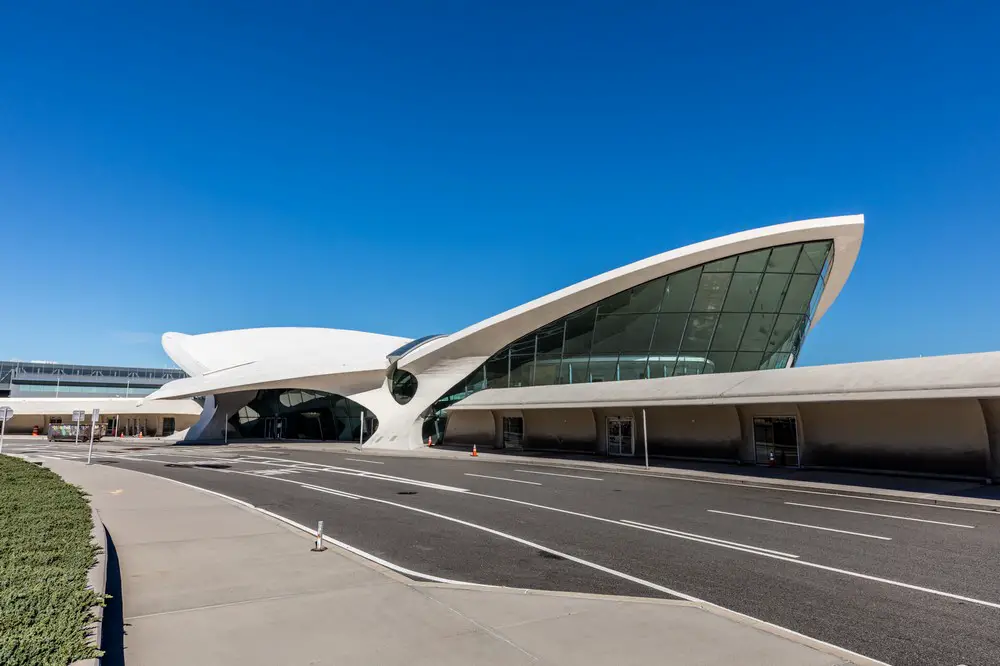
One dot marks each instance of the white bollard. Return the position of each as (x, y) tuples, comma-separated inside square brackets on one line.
[(319, 547)]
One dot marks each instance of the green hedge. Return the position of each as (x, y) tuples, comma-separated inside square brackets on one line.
[(45, 554)]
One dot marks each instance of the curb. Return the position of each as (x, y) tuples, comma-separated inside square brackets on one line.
[(97, 579)]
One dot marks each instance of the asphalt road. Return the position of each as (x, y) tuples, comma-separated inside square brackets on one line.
[(898, 582)]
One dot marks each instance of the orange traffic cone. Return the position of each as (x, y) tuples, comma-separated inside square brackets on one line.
[(430, 442), (474, 452), (140, 434)]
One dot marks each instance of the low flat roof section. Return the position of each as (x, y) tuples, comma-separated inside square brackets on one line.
[(955, 376)]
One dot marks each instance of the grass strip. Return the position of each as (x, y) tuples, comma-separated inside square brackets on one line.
[(45, 554)]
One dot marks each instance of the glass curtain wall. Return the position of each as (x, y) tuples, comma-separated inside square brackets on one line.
[(300, 414), (745, 312)]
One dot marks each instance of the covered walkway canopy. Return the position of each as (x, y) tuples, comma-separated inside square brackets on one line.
[(938, 415)]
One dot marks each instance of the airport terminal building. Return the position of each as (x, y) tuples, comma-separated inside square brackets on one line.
[(691, 352)]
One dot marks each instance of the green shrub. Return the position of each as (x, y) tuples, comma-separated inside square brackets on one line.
[(45, 555)]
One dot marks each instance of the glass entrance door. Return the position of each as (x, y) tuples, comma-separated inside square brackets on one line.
[(274, 427), (776, 441), (513, 432), (620, 440)]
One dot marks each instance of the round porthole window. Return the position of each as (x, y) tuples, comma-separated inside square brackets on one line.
[(403, 386)]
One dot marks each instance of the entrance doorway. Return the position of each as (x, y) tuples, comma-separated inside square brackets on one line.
[(169, 426), (776, 441), (274, 427), (620, 439), (513, 432)]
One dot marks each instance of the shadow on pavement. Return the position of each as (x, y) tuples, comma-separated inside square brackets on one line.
[(113, 636)]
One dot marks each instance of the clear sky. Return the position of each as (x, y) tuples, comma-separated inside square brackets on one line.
[(414, 167)]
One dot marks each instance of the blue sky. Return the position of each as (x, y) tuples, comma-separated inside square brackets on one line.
[(413, 167)]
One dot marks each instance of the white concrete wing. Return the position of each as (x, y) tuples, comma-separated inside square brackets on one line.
[(358, 366)]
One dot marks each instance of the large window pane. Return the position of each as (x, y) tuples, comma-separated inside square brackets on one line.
[(632, 366), (711, 292), (603, 368), (689, 365), (783, 259), (669, 329), (699, 331), (662, 365), (612, 304), (520, 370), (752, 262), (772, 289), (550, 339), (546, 369), (747, 361), (812, 257), (784, 327), (758, 332), (616, 333), (647, 297), (721, 266), (719, 361), (742, 292), (579, 331), (574, 370), (728, 332), (496, 371), (680, 291), (800, 291)]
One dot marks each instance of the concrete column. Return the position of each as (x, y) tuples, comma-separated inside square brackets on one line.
[(991, 416)]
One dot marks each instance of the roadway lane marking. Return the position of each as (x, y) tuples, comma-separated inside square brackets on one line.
[(881, 515), (568, 476), (712, 541), (331, 491), (504, 478), (415, 574), (813, 527), (318, 467), (370, 462)]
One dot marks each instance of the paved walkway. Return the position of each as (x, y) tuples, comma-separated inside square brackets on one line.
[(207, 581)]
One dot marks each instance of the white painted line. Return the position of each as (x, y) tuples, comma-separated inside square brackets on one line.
[(814, 527), (370, 462), (881, 515), (712, 541), (331, 469), (567, 476), (329, 491), (504, 478), (414, 574)]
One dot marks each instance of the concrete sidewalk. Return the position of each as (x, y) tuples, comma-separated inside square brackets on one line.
[(208, 581)]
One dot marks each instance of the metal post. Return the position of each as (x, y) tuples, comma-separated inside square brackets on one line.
[(127, 383), (645, 437), (318, 546), (362, 440), (3, 429), (76, 440), (118, 420), (90, 451), (225, 430)]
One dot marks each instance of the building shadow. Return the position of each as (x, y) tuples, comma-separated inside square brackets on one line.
[(113, 631)]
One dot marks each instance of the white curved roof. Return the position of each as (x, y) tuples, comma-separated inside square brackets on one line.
[(481, 339), (229, 360), (352, 361)]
